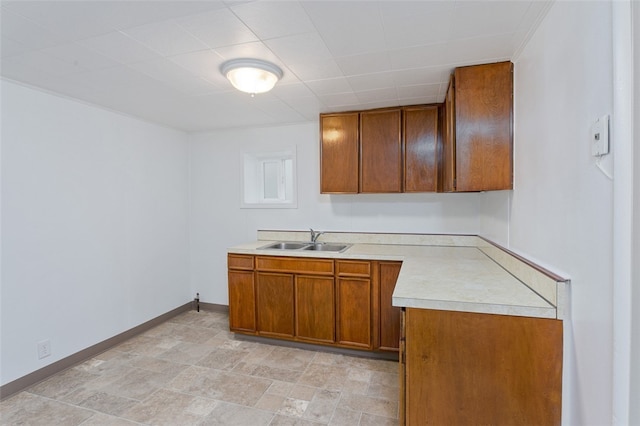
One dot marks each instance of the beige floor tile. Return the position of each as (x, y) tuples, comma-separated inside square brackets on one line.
[(108, 404), (229, 387), (165, 407), (303, 392), (344, 417), (366, 404), (222, 359), (186, 353), (235, 415), (322, 406), (270, 402), (280, 388), (29, 409), (138, 384), (293, 407), (371, 420), (100, 419), (281, 374), (61, 384), (281, 420)]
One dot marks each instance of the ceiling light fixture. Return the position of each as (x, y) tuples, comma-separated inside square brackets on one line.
[(251, 75)]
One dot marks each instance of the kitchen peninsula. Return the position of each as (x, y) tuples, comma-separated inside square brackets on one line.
[(480, 328)]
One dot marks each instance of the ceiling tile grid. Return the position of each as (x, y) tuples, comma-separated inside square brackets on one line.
[(159, 60)]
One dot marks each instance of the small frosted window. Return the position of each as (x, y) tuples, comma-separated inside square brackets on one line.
[(269, 180)]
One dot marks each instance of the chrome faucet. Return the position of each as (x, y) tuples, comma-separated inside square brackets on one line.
[(315, 235)]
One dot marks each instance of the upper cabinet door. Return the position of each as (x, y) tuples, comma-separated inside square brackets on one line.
[(381, 151), (483, 127), (339, 153), (421, 149)]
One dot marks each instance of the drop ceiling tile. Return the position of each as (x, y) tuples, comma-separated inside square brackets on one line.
[(377, 95), (382, 80), (426, 75), (422, 90), (15, 65), (478, 50), (270, 19), (475, 19), (416, 23), (308, 107), (292, 91), (166, 37), (217, 28), (119, 47), (204, 64), (418, 56), (421, 100), (306, 55), (81, 56), (25, 31), (177, 77), (364, 63), (339, 99), (11, 47), (329, 86), (348, 27)]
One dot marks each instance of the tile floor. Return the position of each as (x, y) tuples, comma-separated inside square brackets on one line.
[(191, 371)]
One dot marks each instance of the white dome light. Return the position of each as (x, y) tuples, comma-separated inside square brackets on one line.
[(251, 75)]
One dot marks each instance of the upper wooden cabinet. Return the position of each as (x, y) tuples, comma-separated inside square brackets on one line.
[(420, 129), (478, 137), (396, 150), (339, 149), (381, 151)]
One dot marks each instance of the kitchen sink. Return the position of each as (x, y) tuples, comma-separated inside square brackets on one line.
[(287, 245), (284, 246), (326, 247)]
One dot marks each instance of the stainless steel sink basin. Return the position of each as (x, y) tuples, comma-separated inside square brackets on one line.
[(284, 246), (290, 245), (326, 247)]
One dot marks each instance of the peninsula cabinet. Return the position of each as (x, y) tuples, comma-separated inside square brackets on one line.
[(477, 150), (460, 368)]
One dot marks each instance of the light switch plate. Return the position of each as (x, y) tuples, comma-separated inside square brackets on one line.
[(600, 136)]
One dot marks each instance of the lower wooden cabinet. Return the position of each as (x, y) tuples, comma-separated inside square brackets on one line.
[(469, 368), (274, 302), (315, 309), (345, 303), (242, 294)]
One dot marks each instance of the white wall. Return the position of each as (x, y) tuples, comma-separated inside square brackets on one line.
[(217, 222), (94, 225), (634, 415), (560, 212)]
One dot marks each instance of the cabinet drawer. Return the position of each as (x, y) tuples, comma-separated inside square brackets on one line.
[(295, 264), (238, 261), (354, 268)]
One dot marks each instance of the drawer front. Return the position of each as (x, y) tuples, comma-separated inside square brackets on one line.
[(239, 261), (355, 268), (295, 265)]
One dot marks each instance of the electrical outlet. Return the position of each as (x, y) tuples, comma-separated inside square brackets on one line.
[(44, 348)]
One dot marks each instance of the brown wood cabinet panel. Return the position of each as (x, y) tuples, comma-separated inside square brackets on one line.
[(294, 264), (356, 268), (339, 142), (239, 261), (275, 304), (315, 308), (389, 314), (380, 151), (420, 125), (469, 368), (483, 127), (448, 156), (354, 312), (242, 307)]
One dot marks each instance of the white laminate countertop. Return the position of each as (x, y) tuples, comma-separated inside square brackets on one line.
[(455, 278)]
